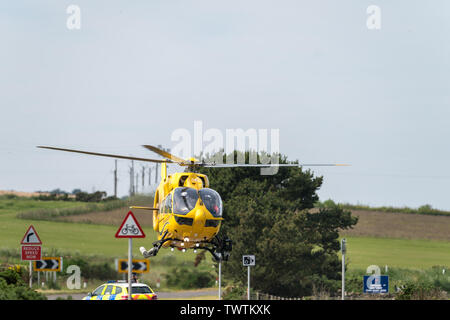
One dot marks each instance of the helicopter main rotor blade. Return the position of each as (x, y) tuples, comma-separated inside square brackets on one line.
[(165, 154), (212, 165), (105, 154)]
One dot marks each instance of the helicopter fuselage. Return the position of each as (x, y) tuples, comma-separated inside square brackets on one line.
[(189, 212)]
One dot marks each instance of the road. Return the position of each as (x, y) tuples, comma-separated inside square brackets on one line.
[(161, 295)]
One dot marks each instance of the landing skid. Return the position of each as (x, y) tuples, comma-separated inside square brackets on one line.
[(220, 248)]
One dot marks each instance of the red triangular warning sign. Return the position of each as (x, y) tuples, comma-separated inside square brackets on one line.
[(130, 228), (31, 237)]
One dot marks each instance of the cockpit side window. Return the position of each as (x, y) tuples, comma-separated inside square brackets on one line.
[(184, 200), (169, 203), (212, 201)]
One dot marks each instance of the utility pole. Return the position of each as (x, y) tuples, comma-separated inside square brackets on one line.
[(132, 188), (115, 179), (137, 183), (143, 178), (149, 176), (131, 182)]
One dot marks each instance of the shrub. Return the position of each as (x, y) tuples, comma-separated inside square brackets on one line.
[(11, 276), (185, 279), (234, 293), (413, 290), (354, 283), (12, 287), (329, 203), (98, 270), (90, 197)]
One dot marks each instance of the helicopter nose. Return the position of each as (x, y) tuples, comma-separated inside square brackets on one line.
[(200, 217)]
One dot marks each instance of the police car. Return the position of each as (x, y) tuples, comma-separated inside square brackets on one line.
[(118, 290)]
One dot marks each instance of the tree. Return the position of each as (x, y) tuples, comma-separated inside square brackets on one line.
[(273, 217), (96, 196)]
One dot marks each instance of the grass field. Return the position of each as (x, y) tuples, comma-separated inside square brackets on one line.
[(393, 239), (402, 253)]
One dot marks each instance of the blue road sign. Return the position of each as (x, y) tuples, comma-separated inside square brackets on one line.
[(376, 284)]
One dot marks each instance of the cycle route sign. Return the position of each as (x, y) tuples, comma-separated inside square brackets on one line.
[(130, 228)]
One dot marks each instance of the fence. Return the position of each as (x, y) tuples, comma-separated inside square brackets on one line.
[(264, 296)]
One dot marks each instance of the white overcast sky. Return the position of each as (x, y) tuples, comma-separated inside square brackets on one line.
[(138, 70)]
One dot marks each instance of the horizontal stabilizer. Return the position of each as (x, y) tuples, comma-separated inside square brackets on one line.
[(143, 208)]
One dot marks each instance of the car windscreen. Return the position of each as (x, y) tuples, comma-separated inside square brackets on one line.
[(184, 200), (212, 201), (141, 289)]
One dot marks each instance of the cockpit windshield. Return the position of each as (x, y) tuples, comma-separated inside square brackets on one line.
[(212, 201), (184, 200)]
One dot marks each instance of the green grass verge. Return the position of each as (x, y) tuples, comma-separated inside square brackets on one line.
[(403, 253)]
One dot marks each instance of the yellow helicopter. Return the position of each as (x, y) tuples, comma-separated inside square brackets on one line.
[(187, 214)]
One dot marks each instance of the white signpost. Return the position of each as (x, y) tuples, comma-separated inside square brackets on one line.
[(130, 229), (248, 261)]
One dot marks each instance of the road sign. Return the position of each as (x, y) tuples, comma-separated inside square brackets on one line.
[(130, 228), (139, 265), (376, 284), (31, 237), (48, 264), (31, 253), (248, 260)]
